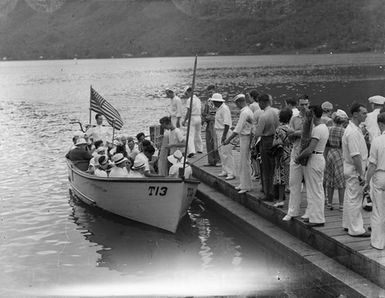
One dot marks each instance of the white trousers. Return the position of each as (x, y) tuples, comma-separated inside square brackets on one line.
[(173, 120), (225, 154), (352, 213), (244, 167), (315, 195), (195, 138), (295, 181), (377, 219)]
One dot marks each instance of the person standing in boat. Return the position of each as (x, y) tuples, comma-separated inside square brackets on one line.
[(355, 154), (99, 131), (222, 130), (268, 121), (375, 181), (243, 130), (211, 139), (195, 139), (175, 108)]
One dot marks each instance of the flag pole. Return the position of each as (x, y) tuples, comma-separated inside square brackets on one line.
[(113, 131), (189, 116), (90, 105)]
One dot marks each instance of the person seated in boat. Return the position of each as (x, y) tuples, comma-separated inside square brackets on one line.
[(76, 136), (121, 166), (140, 138), (119, 148), (176, 159), (79, 153), (102, 166), (97, 145), (131, 148), (146, 157), (138, 169), (96, 154)]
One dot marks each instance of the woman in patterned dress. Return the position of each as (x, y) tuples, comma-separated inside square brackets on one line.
[(282, 155), (334, 168)]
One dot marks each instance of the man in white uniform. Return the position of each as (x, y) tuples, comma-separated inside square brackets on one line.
[(243, 130), (355, 154), (175, 107), (222, 130), (195, 139), (375, 179), (314, 169), (371, 124), (99, 131)]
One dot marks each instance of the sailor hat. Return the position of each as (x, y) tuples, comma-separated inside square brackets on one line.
[(217, 97), (174, 158), (377, 99)]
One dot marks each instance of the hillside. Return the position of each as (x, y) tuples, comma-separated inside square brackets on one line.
[(121, 28)]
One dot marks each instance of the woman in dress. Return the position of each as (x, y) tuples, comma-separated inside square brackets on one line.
[(334, 168), (282, 148)]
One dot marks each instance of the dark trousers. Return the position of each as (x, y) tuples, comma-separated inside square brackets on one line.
[(211, 144), (267, 167)]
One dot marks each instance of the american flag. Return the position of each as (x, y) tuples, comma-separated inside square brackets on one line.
[(102, 106)]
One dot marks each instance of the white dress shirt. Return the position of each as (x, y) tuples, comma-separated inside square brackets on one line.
[(372, 125), (244, 124), (175, 108), (353, 144), (377, 152), (99, 132), (196, 109), (222, 117)]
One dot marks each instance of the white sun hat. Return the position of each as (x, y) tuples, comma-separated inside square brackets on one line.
[(377, 99), (217, 97), (174, 158), (118, 158)]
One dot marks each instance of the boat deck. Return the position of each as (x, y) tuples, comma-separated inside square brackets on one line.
[(332, 240)]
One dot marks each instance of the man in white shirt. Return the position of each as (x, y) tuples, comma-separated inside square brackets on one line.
[(131, 148), (243, 130), (314, 169), (175, 107), (120, 168), (222, 131), (292, 103), (254, 105), (375, 180), (355, 154), (146, 157), (195, 138), (99, 131), (370, 123)]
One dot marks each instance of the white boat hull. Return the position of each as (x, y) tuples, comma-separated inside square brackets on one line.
[(159, 202)]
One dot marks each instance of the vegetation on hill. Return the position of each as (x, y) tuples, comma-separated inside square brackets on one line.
[(121, 28)]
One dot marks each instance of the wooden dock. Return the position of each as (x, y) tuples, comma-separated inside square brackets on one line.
[(352, 252)]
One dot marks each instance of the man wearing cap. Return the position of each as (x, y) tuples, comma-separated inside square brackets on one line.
[(327, 110), (175, 107), (355, 154), (79, 153), (222, 130), (371, 124), (121, 167), (99, 131), (208, 116), (176, 159), (243, 130), (195, 139), (268, 122), (375, 180)]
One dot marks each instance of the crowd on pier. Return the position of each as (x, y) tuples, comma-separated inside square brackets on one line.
[(299, 148), (296, 149)]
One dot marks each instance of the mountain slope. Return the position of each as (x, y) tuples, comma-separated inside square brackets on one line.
[(99, 29)]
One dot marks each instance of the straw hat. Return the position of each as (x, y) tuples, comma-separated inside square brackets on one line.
[(217, 97), (139, 162), (176, 157), (118, 158)]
